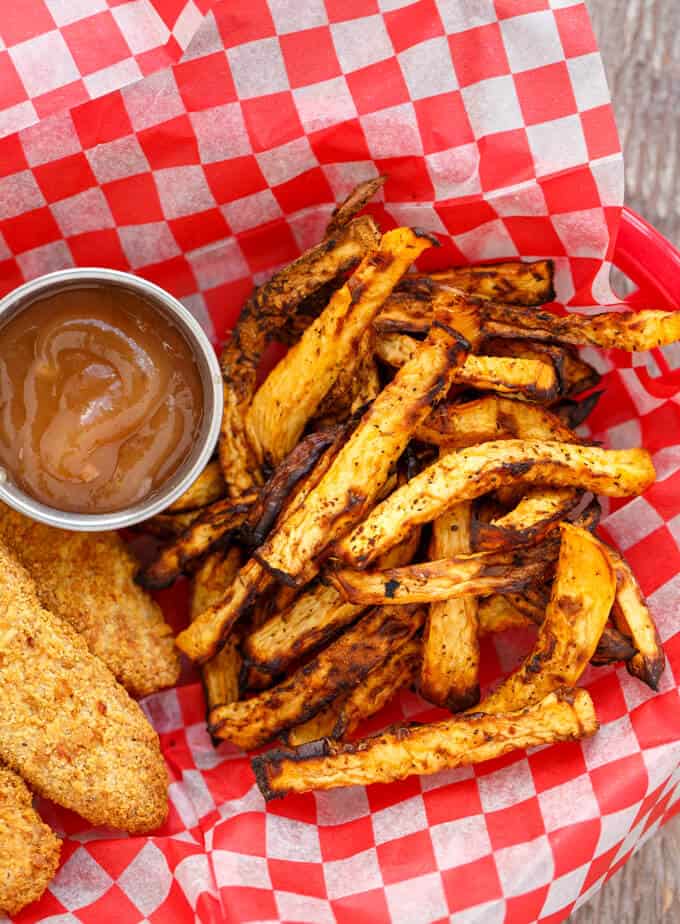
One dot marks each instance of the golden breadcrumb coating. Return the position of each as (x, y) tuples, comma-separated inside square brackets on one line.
[(88, 580), (29, 849), (66, 725)]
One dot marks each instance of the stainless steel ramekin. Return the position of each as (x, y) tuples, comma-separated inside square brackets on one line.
[(211, 380)]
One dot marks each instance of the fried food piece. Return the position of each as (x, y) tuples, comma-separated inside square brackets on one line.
[(220, 675), (491, 418), (534, 516), (398, 670), (294, 389), (201, 640), (361, 468), (497, 614), (356, 386), (320, 725), (167, 525), (627, 330), (468, 473), (208, 488), (264, 315), (280, 487), (214, 524), (66, 726), (360, 196), (87, 579), (334, 671), (450, 664), (574, 374), (581, 598), (29, 849), (573, 413), (634, 620), (512, 283), (534, 379), (476, 574), (403, 751)]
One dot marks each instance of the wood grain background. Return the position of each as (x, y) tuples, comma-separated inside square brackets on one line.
[(640, 43)]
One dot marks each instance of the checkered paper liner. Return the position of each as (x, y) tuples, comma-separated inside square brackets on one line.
[(493, 120)]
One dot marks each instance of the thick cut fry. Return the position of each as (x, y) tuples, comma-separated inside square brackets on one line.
[(87, 579), (581, 598), (201, 640), (497, 614), (280, 488), (331, 673), (29, 849), (450, 665), (633, 619), (208, 488), (477, 574), (535, 515), (167, 525), (292, 391), (360, 196), (403, 751), (532, 378), (214, 524), (264, 315), (66, 726), (398, 670), (491, 418), (357, 385), (513, 283), (574, 374), (361, 468), (573, 413), (469, 473), (628, 330), (219, 675)]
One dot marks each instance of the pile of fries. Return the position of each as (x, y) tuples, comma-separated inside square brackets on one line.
[(407, 479)]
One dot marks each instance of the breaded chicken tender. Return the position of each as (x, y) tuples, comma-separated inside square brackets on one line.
[(66, 726), (29, 849), (88, 580)]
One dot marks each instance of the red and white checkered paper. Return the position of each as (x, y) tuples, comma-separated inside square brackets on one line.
[(493, 120)]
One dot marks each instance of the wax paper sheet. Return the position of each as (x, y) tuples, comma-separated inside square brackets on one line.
[(493, 120)]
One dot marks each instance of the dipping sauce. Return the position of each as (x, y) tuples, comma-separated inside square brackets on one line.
[(100, 398)]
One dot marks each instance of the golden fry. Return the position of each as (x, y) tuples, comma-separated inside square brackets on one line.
[(293, 390), (331, 673), (581, 598), (574, 374), (450, 665), (535, 515), (354, 203), (208, 488), (468, 473), (513, 283), (403, 751)]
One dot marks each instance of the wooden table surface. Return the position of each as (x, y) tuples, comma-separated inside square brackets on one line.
[(640, 42)]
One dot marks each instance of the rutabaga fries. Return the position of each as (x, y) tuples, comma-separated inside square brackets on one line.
[(573, 413), (360, 196), (220, 674), (214, 523), (402, 751), (456, 426), (208, 488), (628, 330), (201, 640), (263, 316), (633, 619), (468, 473), (513, 283), (450, 664), (573, 373), (477, 574), (320, 725), (167, 525), (293, 390), (534, 379), (398, 670), (361, 468), (312, 619), (336, 670), (497, 614), (535, 515), (357, 385), (278, 490), (582, 596)]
